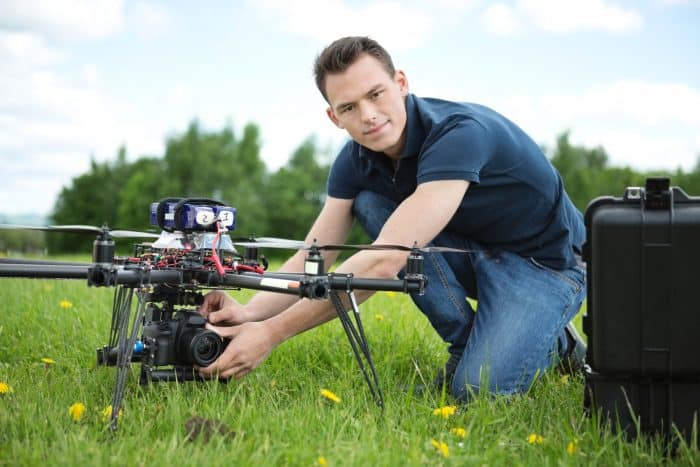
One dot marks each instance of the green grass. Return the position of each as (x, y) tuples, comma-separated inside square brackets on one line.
[(276, 414)]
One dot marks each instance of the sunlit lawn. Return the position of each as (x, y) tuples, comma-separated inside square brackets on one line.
[(277, 415)]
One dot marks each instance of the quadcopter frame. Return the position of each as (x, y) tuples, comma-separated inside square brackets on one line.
[(152, 285)]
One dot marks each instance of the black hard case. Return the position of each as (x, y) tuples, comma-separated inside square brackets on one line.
[(652, 405), (643, 264)]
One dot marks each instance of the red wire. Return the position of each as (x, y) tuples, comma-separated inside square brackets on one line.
[(217, 262), (245, 267)]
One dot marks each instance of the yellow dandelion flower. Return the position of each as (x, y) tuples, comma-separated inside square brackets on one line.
[(391, 294), (445, 412), (572, 448), (459, 432), (322, 461), (107, 413), (534, 438), (47, 361), (441, 447), (330, 395), (5, 388), (379, 317), (76, 411), (65, 304)]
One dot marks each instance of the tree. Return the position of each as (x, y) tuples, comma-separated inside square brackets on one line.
[(244, 184), (296, 192), (92, 199), (143, 187), (215, 165)]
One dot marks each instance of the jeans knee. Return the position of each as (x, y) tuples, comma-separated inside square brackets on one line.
[(470, 382), (466, 384)]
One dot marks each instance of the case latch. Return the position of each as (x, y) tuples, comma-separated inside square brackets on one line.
[(658, 194)]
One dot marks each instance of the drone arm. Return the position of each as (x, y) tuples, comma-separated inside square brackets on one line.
[(45, 270), (332, 226)]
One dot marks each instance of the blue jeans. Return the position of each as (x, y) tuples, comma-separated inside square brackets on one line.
[(523, 307)]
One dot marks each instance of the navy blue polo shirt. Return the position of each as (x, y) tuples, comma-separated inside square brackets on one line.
[(516, 200)]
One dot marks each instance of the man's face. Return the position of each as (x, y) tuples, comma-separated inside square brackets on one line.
[(369, 104)]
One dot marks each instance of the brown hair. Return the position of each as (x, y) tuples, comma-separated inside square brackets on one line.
[(342, 53)]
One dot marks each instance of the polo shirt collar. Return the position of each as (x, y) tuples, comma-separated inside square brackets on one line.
[(415, 135)]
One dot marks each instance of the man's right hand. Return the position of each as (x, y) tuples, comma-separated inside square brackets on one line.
[(221, 309)]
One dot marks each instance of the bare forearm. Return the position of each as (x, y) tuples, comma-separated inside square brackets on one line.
[(306, 314), (331, 226), (265, 305)]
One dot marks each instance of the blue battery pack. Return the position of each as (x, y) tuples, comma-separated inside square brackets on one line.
[(191, 217)]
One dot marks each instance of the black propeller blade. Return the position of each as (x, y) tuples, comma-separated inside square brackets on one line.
[(81, 229), (299, 245)]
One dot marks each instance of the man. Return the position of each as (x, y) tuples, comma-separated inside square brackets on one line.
[(436, 173)]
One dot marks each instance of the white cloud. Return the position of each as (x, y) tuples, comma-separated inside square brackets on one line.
[(50, 125), (91, 76), (27, 48), (646, 103), (642, 124), (52, 122), (639, 149), (395, 25), (149, 19), (64, 19), (561, 17), (678, 2), (456, 5), (179, 96), (500, 20)]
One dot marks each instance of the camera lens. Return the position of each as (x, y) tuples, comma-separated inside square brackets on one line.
[(201, 347)]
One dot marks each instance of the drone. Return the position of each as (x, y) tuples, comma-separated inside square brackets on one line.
[(158, 288)]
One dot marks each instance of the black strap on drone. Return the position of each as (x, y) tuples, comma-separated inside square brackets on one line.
[(358, 342), (160, 212), (178, 210)]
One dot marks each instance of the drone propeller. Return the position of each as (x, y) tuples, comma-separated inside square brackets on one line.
[(299, 245), (81, 229)]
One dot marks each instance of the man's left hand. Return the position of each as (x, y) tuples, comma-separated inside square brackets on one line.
[(251, 343)]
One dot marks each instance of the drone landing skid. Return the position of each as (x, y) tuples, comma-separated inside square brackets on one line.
[(358, 342)]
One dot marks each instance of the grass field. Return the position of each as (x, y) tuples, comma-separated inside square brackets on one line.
[(276, 415)]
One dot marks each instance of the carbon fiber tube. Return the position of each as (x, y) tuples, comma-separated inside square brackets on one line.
[(109, 275), (43, 271)]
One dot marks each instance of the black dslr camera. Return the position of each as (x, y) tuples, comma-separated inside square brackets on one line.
[(182, 341), (173, 338)]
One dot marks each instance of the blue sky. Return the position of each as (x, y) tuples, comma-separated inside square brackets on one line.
[(80, 78)]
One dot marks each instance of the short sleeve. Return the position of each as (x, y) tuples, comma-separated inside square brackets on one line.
[(343, 177), (457, 150)]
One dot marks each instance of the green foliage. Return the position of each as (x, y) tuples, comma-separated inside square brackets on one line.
[(586, 173), (243, 184), (92, 199), (296, 192), (143, 187), (220, 165), (23, 241)]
